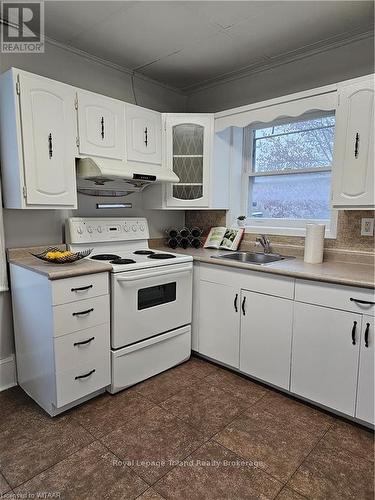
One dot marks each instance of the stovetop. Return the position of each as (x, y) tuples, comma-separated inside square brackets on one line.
[(122, 242), (139, 259)]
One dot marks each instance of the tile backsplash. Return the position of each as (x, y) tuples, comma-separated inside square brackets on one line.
[(348, 229)]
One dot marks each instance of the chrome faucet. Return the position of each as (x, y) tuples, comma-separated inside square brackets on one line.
[(265, 242)]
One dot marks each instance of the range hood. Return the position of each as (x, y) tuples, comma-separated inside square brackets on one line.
[(118, 178)]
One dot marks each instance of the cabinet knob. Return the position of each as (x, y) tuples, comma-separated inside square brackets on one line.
[(366, 334), (356, 146), (353, 332), (102, 124), (50, 146)]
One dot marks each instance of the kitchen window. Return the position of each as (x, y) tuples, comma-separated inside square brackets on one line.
[(288, 174)]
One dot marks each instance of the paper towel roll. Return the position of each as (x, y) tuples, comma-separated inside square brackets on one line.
[(314, 243)]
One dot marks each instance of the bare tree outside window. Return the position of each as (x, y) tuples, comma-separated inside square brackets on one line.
[(290, 176)]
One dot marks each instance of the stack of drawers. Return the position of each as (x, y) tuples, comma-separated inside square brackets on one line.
[(81, 343)]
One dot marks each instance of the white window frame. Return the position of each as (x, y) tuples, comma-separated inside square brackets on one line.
[(283, 227)]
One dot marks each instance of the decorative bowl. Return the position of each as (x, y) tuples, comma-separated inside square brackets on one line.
[(47, 256)]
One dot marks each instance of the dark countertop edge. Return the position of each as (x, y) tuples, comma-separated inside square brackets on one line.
[(293, 274), (63, 274)]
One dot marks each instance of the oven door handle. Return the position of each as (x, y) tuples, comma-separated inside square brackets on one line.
[(154, 275)]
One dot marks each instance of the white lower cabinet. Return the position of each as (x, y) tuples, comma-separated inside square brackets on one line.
[(325, 356), (365, 392), (219, 322), (266, 336), (62, 337), (313, 339)]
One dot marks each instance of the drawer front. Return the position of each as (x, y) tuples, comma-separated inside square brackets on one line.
[(80, 348), (76, 383), (81, 315), (256, 281), (347, 298), (79, 288)]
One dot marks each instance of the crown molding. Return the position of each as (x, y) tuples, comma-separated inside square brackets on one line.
[(112, 65), (283, 59), (104, 62)]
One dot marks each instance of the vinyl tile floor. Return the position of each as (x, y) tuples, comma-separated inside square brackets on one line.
[(195, 432)]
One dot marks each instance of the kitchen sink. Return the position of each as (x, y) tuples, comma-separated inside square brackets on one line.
[(253, 257)]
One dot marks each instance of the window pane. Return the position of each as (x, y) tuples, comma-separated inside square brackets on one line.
[(290, 196), (296, 145)]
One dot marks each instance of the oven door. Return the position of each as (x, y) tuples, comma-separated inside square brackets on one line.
[(148, 302)]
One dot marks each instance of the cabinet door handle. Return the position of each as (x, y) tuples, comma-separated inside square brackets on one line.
[(367, 302), (85, 375), (102, 124), (81, 289), (356, 145), (83, 342), (81, 313), (243, 306), (366, 334), (50, 146), (353, 332), (146, 137), (235, 302)]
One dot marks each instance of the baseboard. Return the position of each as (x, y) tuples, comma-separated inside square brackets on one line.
[(7, 373)]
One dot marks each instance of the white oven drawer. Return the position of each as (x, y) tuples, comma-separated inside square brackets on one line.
[(83, 347), (78, 382), (148, 302), (79, 287), (138, 362), (81, 314)]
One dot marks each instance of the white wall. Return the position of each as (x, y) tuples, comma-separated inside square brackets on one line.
[(348, 61), (34, 227)]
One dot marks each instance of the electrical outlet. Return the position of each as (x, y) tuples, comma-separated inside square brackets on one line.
[(367, 227)]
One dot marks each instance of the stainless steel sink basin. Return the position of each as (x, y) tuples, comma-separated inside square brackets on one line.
[(253, 257)]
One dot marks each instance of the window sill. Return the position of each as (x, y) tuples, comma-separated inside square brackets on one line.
[(285, 231)]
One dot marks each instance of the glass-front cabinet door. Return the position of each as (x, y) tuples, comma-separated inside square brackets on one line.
[(188, 150)]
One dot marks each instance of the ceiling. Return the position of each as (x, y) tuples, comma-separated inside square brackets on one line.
[(185, 44)]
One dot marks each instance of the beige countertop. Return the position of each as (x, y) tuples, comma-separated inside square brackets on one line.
[(344, 273), (22, 257)]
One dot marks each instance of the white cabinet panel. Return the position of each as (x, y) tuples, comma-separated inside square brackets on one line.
[(354, 146), (365, 394), (101, 126), (266, 336), (219, 322), (188, 142), (143, 134), (49, 135), (325, 356)]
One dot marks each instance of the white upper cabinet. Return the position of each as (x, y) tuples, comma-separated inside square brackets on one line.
[(188, 142), (143, 134), (38, 131), (101, 125), (353, 184)]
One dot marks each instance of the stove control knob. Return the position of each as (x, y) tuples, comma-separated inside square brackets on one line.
[(99, 229), (134, 228), (89, 229), (79, 230), (142, 227), (126, 228)]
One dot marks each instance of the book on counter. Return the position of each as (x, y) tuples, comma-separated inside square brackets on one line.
[(224, 238)]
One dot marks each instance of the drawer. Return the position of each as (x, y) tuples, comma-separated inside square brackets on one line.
[(80, 348), (145, 359), (79, 287), (81, 315), (348, 298), (76, 383), (256, 281)]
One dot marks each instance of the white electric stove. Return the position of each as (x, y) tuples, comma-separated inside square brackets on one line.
[(151, 296)]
